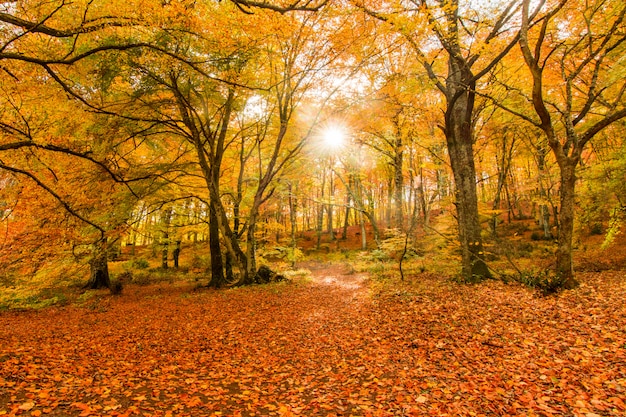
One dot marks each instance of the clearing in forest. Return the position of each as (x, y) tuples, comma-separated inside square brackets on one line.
[(338, 344)]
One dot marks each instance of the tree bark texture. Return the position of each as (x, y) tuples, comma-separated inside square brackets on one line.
[(459, 138), (99, 267), (564, 261)]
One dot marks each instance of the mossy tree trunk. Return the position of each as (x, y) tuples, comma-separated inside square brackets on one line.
[(99, 266)]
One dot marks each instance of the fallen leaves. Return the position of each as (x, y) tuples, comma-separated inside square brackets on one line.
[(322, 349)]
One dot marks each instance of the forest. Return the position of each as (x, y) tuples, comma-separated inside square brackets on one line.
[(420, 201)]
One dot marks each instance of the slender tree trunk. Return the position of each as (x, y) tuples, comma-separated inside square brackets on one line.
[(176, 253), (165, 243), (250, 250), (398, 179), (320, 212), (363, 231), (292, 221), (217, 265), (386, 203), (329, 207), (278, 221), (346, 220), (504, 166), (544, 211)]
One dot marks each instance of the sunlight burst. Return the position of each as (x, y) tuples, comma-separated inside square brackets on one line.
[(334, 137)]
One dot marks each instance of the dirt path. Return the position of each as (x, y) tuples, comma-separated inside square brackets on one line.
[(338, 275), (328, 347)]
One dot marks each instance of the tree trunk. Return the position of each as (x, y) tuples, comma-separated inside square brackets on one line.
[(398, 179), (389, 203), (166, 217), (217, 265), (99, 267), (564, 263), (346, 220), (363, 231), (330, 223), (292, 221), (459, 138), (176, 253), (250, 251), (544, 212)]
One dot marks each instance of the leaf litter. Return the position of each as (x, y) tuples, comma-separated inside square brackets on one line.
[(337, 346)]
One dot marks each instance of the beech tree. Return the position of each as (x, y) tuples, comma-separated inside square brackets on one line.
[(470, 42), (575, 56)]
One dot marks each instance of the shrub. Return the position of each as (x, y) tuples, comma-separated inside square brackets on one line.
[(141, 263), (138, 263), (142, 279), (596, 229), (545, 281), (116, 287), (536, 236), (200, 262)]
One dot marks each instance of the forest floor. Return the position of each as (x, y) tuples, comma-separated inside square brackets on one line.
[(337, 343)]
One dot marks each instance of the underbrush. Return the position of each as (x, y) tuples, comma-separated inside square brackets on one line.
[(545, 281)]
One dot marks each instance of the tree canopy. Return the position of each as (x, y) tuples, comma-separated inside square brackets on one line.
[(161, 122)]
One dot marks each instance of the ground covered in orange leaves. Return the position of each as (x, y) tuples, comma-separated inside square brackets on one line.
[(337, 345)]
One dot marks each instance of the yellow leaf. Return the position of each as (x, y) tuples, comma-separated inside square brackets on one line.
[(26, 406)]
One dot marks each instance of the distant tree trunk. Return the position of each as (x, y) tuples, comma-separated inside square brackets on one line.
[(388, 206), (363, 231), (504, 166), (330, 220), (544, 211), (217, 265), (166, 218), (421, 203), (398, 180), (320, 217), (346, 220), (250, 250), (176, 253), (292, 221), (99, 267)]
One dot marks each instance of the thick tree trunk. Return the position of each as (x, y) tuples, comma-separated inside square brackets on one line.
[(99, 267), (459, 137), (564, 262)]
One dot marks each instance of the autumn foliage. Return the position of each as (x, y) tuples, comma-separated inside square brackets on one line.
[(448, 175), (339, 345)]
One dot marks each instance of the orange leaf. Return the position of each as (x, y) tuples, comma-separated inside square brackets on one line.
[(26, 406)]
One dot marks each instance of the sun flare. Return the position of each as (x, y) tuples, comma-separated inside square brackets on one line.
[(334, 137)]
